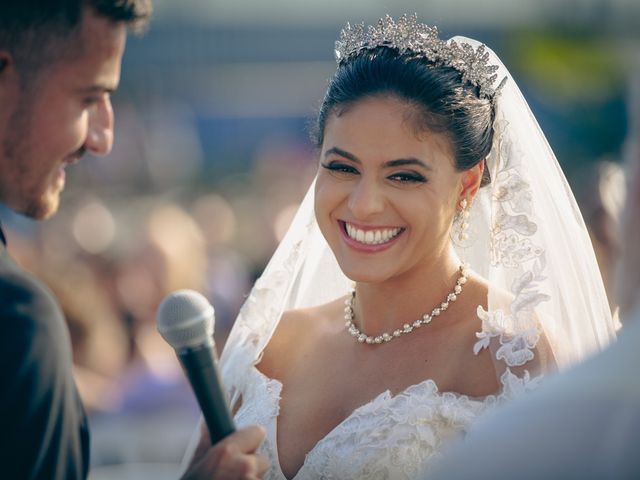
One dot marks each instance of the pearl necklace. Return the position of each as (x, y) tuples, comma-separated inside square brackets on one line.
[(407, 327)]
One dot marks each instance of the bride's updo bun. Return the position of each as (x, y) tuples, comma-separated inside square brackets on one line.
[(443, 102)]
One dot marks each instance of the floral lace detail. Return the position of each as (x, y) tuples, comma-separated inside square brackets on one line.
[(511, 250), (514, 385), (512, 226), (390, 437), (519, 331), (515, 345)]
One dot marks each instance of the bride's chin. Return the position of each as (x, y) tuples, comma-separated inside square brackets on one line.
[(364, 277)]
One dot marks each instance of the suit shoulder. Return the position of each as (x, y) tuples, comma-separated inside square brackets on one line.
[(28, 313), (23, 295)]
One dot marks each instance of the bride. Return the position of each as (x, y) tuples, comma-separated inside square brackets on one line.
[(437, 267)]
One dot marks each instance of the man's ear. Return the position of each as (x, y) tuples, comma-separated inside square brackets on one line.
[(9, 78), (5, 60)]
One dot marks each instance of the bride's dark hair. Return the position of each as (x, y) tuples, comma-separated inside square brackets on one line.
[(444, 103)]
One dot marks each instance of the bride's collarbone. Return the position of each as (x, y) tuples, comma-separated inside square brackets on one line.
[(347, 376), (308, 352), (312, 357)]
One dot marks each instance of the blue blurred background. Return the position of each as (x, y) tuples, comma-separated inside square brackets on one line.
[(212, 155)]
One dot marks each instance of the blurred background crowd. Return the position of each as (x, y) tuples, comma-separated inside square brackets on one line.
[(212, 155)]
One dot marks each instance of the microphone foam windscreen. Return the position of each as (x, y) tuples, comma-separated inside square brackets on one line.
[(185, 319)]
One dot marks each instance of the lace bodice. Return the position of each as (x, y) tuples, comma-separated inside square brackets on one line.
[(390, 437)]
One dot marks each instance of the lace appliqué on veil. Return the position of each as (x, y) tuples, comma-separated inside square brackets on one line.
[(513, 332)]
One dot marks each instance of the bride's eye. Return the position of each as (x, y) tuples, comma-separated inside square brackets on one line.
[(407, 177), (340, 168)]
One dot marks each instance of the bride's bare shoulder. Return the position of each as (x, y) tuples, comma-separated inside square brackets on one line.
[(309, 320), (483, 293), (478, 291), (297, 331)]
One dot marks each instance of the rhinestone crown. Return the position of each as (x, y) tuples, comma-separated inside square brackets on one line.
[(409, 35)]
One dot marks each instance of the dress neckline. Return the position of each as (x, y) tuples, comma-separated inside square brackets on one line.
[(385, 396)]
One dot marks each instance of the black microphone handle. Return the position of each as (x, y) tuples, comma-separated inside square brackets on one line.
[(201, 369)]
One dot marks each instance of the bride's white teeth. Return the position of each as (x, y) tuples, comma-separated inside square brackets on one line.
[(371, 237)]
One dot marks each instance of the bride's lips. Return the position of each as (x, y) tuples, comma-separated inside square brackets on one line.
[(369, 238)]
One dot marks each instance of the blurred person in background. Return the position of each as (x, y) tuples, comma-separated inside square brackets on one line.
[(59, 63), (161, 249), (600, 192), (98, 337), (584, 423), (368, 344)]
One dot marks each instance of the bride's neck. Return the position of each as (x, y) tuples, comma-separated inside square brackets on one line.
[(386, 306)]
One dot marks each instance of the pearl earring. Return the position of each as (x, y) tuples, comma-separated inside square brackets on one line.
[(463, 224)]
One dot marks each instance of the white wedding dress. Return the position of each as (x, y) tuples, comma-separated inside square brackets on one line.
[(389, 437)]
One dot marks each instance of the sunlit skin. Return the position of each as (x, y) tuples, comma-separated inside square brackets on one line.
[(65, 112), (378, 171)]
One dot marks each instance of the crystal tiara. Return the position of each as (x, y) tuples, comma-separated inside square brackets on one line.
[(409, 35)]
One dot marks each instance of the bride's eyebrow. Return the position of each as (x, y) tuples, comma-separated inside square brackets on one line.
[(342, 153), (399, 162)]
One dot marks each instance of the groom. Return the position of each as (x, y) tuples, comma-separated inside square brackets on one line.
[(59, 63), (584, 423)]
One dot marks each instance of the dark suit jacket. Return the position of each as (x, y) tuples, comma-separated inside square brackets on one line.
[(43, 427)]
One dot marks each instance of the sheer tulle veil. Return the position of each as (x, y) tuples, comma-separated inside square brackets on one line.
[(527, 238)]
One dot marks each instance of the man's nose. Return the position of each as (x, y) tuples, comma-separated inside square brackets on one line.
[(100, 132)]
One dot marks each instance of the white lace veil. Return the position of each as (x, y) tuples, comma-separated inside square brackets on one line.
[(527, 238)]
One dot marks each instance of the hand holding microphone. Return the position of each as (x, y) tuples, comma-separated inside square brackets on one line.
[(232, 458), (185, 320)]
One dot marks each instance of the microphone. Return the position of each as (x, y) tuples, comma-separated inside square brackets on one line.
[(185, 321)]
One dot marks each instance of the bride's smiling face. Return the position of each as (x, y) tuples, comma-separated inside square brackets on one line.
[(386, 192)]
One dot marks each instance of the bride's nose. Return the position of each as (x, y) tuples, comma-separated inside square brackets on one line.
[(366, 199)]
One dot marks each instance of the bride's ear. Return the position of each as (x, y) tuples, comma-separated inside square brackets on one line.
[(470, 181)]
